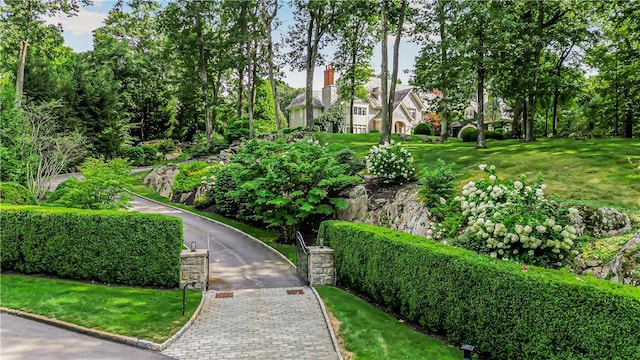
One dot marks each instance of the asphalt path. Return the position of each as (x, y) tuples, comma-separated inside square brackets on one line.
[(235, 260), (25, 339)]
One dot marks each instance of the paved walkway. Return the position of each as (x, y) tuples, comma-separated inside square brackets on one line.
[(257, 324)]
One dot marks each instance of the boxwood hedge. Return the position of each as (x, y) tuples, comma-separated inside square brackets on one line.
[(108, 246), (506, 310)]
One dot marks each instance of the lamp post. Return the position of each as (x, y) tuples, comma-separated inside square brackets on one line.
[(184, 295), (467, 351)]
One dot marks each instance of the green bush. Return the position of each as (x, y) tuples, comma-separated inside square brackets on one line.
[(16, 194), (436, 182), (422, 129), (236, 129), (108, 246), (150, 154), (200, 147), (281, 183), (390, 162), (192, 175), (103, 186), (134, 154), (506, 310), (496, 135), (470, 135), (374, 131), (350, 159), (226, 184)]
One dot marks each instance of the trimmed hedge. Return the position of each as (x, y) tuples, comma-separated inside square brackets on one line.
[(469, 135), (108, 246), (16, 194), (422, 129), (506, 310)]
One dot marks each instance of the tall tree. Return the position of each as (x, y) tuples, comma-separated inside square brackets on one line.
[(269, 13), (313, 21), (355, 35), (24, 20), (393, 16)]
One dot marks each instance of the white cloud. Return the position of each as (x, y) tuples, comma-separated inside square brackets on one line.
[(82, 24)]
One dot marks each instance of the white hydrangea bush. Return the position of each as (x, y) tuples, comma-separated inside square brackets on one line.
[(513, 220), (390, 162)]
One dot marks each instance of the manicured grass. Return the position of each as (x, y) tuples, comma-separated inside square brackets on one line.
[(602, 172), (268, 237), (149, 314), (369, 333)]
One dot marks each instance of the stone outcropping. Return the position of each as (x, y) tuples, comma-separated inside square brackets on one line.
[(623, 268), (161, 179), (601, 222), (405, 212)]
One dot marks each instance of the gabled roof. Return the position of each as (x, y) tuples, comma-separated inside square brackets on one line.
[(399, 96), (300, 100)]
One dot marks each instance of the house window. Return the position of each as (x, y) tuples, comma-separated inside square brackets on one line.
[(358, 110)]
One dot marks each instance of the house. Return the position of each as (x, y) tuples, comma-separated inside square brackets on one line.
[(497, 115), (408, 108)]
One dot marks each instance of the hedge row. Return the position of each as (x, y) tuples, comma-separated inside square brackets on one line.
[(108, 246), (506, 310)]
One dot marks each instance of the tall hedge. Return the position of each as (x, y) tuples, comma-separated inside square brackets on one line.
[(506, 310), (108, 246)]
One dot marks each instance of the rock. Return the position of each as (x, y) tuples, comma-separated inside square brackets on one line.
[(605, 222), (623, 268), (593, 263), (424, 138), (577, 220), (404, 137), (161, 179), (357, 199)]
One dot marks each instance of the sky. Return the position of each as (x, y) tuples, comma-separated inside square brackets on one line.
[(77, 33)]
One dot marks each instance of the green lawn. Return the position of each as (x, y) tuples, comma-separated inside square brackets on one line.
[(601, 171), (369, 333), (149, 314), (268, 237)]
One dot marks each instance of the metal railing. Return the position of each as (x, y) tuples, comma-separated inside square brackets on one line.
[(302, 257)]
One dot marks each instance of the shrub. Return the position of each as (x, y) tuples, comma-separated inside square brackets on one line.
[(437, 183), (511, 219), (14, 193), (469, 135), (193, 175), (150, 154), (103, 186), (496, 135), (107, 246), (507, 311), (350, 159), (134, 154), (226, 184), (200, 147), (422, 129), (282, 183), (374, 131), (390, 162), (236, 129)]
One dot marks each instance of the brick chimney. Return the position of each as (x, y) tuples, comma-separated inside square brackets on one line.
[(328, 75)]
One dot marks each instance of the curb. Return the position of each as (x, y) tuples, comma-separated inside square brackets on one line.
[(127, 340), (219, 223), (334, 340)]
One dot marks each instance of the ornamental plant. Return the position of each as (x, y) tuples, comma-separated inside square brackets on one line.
[(513, 220), (390, 162)]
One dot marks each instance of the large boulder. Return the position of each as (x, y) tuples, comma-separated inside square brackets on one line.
[(358, 201), (624, 267), (161, 179), (600, 222)]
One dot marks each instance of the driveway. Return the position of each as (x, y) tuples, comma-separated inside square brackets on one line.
[(236, 261), (24, 339)]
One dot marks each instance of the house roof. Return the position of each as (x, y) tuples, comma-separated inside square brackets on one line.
[(399, 96), (300, 100)]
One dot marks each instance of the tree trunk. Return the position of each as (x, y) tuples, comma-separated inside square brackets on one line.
[(203, 76), (529, 135), (516, 128), (20, 76), (353, 87), (251, 86), (394, 74), (268, 18), (628, 123), (312, 57), (241, 91), (554, 116), (481, 143), (385, 134), (444, 128)]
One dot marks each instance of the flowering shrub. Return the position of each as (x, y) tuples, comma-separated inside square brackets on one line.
[(513, 220), (390, 162)]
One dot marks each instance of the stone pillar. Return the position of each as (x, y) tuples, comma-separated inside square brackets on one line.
[(322, 269), (194, 267)]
